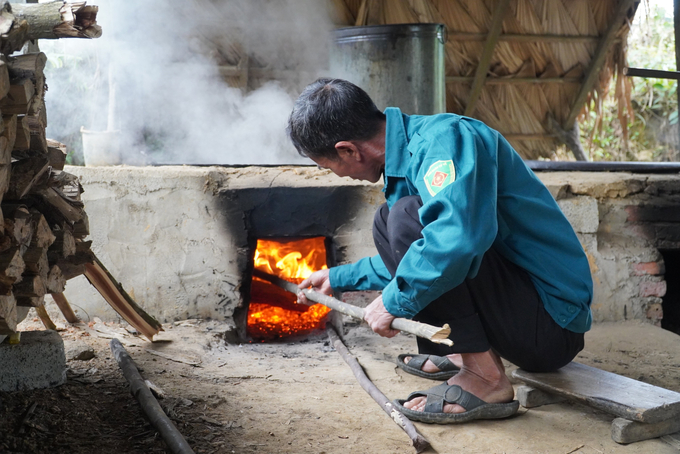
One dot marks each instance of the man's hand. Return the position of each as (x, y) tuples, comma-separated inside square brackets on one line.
[(379, 319), (319, 282)]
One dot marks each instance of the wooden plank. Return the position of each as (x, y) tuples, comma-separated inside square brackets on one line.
[(529, 397), (625, 431), (596, 63), (119, 299), (611, 393), (487, 53)]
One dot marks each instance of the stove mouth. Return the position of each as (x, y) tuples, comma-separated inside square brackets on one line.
[(272, 313)]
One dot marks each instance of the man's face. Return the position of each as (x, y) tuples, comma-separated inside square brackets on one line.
[(347, 166)]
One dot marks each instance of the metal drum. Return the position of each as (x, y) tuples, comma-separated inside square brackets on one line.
[(399, 65)]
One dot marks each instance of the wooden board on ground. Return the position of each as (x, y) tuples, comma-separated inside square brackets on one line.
[(612, 393)]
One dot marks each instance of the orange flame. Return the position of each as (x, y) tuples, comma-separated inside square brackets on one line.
[(274, 312)]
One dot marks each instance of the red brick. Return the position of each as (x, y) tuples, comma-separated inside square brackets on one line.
[(649, 268), (653, 288)]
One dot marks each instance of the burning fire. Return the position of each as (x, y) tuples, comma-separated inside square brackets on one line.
[(273, 312)]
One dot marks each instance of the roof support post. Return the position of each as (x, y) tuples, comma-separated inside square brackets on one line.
[(487, 53)]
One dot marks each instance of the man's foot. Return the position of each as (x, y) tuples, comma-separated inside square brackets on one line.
[(429, 366), (481, 374)]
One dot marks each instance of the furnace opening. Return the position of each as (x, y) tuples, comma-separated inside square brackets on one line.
[(671, 300), (274, 313)]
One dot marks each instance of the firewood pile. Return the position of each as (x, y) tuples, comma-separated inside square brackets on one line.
[(43, 225)]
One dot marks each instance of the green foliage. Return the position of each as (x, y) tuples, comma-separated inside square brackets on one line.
[(653, 125)]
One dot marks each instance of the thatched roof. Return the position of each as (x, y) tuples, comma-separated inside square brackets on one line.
[(515, 63)]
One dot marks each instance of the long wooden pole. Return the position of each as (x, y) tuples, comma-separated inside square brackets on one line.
[(417, 440), (177, 444), (433, 333)]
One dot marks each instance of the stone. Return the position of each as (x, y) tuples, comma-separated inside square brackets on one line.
[(582, 213), (78, 351), (36, 362)]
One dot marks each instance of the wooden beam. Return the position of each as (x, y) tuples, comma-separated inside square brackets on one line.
[(514, 80), (61, 301), (487, 53), (597, 62)]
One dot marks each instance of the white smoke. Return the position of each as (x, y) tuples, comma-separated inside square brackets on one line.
[(171, 105)]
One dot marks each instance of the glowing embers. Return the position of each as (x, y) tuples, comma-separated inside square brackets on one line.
[(273, 312)]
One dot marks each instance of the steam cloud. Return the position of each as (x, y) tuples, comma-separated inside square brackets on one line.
[(171, 105)]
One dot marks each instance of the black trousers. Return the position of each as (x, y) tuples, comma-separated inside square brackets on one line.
[(498, 309)]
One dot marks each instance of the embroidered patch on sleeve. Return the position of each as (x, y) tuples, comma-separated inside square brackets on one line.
[(439, 175)]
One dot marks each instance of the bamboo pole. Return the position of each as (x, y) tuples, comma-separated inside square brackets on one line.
[(177, 444), (432, 333), (417, 440)]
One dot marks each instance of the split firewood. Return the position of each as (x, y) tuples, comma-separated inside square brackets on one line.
[(58, 208), (55, 282), (37, 133), (56, 153), (81, 229), (65, 308), (42, 233), (25, 173), (4, 79), (14, 39), (22, 135), (11, 269), (54, 20), (28, 66), (64, 245), (8, 314), (5, 241), (18, 225), (119, 299), (75, 265), (19, 98), (30, 287), (36, 261), (10, 129), (30, 301)]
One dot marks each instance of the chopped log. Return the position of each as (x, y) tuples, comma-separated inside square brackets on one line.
[(56, 153), (28, 66), (63, 246), (30, 301), (8, 314), (75, 265), (6, 18), (25, 173), (5, 241), (36, 261), (30, 287), (18, 224), (5, 166), (20, 97), (55, 282), (57, 208), (22, 134), (119, 299), (45, 317), (4, 79), (10, 129), (61, 301), (70, 270), (36, 127), (42, 233), (57, 19), (11, 268)]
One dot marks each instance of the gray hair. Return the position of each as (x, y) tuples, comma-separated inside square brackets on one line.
[(329, 111)]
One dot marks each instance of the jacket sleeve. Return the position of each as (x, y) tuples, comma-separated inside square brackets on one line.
[(368, 273), (460, 221)]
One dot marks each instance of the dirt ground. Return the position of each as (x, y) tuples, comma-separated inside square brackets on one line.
[(301, 397)]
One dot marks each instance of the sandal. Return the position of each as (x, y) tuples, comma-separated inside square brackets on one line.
[(446, 368)]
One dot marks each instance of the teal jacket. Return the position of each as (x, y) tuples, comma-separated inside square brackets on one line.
[(477, 193)]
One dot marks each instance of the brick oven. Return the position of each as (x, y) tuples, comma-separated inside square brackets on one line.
[(184, 238)]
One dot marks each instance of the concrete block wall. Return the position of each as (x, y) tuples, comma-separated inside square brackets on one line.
[(180, 239)]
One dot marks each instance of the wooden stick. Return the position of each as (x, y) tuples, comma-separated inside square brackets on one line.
[(45, 318), (158, 419), (433, 333), (119, 299), (417, 440), (61, 301)]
